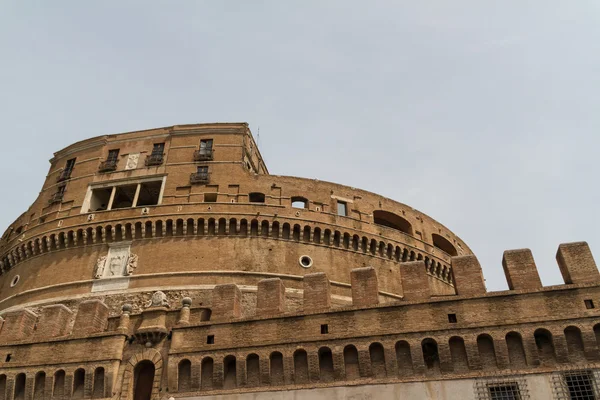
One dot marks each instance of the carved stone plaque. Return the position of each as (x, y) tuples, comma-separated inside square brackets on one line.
[(132, 161), (117, 263)]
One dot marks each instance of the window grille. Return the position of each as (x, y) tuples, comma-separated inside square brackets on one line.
[(509, 388), (576, 385)]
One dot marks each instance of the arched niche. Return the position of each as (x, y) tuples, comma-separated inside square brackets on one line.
[(443, 244), (391, 220)]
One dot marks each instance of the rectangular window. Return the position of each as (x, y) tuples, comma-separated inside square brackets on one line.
[(210, 339), (580, 386), (158, 149), (504, 392), (134, 194), (205, 153), (66, 172), (206, 144), (149, 194), (342, 208), (113, 155), (510, 388), (210, 197), (452, 318), (202, 170), (100, 199), (324, 329), (589, 304), (124, 196)]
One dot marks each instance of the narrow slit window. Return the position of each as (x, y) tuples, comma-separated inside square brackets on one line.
[(589, 304), (452, 318), (210, 339)]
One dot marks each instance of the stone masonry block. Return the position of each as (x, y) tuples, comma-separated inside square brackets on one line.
[(317, 292), (520, 270), (415, 282), (468, 276), (365, 288), (226, 302), (54, 321), (577, 264), (92, 317), (270, 297), (18, 325)]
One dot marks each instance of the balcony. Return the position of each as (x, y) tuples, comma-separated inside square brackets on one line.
[(57, 198), (64, 175), (200, 177), (108, 166), (154, 159), (205, 154)]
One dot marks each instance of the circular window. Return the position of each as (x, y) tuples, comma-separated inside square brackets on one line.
[(306, 262), (15, 281)]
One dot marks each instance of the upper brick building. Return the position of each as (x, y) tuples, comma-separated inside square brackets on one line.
[(169, 262)]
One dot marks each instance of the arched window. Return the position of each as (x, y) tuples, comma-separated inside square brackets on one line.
[(326, 364), (404, 358), (299, 202), (39, 387), (574, 343), (391, 220), (229, 373), (78, 383), (487, 353), (256, 197), (20, 387), (351, 362), (143, 380), (516, 351), (276, 361), (300, 366), (58, 389), (98, 389), (430, 354), (545, 346), (206, 382), (252, 370), (377, 356), (184, 376), (458, 353), (2, 387), (443, 244)]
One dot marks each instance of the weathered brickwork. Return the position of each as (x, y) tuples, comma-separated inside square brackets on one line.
[(178, 266)]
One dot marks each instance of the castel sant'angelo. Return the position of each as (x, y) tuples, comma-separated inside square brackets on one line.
[(170, 263)]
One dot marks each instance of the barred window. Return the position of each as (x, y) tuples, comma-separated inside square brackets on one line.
[(576, 385), (501, 389)]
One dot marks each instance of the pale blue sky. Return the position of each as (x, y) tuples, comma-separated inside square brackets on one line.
[(483, 115)]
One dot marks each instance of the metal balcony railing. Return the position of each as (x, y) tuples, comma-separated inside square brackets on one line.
[(205, 154), (154, 159), (200, 177), (64, 175), (108, 165), (57, 198)]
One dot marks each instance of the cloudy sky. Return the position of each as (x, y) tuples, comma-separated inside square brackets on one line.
[(484, 115)]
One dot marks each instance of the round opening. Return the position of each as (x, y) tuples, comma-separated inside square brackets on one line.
[(15, 281), (306, 262)]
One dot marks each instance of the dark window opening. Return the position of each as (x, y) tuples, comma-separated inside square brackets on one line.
[(201, 175), (59, 195), (149, 193), (452, 318), (580, 385), (8, 357), (158, 149), (324, 329), (111, 161), (210, 197), (156, 157), (210, 339), (392, 220), (124, 196), (256, 197), (100, 199), (589, 304), (205, 153), (342, 209), (66, 173), (505, 392)]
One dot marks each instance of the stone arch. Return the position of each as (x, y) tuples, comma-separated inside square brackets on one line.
[(148, 355), (39, 386), (264, 228), (184, 375), (443, 244), (78, 383), (285, 231), (327, 237), (351, 362), (391, 220), (325, 364), (229, 372), (300, 366), (275, 230), (458, 353), (346, 241), (253, 370), (355, 242), (377, 356), (98, 388), (2, 387), (487, 352), (317, 236), (516, 351), (545, 346), (431, 355), (19, 391), (404, 358), (306, 234), (206, 373), (574, 343), (276, 372), (58, 386)]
